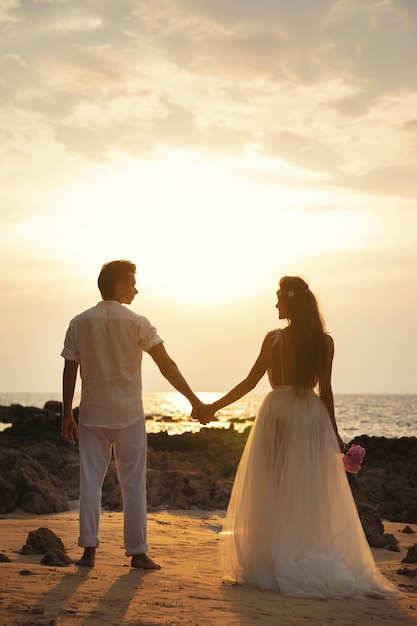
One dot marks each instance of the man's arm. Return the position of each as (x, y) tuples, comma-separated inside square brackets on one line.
[(69, 428), (170, 371)]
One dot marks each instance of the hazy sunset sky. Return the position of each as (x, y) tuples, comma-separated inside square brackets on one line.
[(219, 145)]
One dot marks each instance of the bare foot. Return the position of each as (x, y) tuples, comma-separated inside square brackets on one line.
[(88, 559), (142, 561)]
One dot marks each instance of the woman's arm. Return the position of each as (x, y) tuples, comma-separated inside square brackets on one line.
[(325, 388), (259, 368)]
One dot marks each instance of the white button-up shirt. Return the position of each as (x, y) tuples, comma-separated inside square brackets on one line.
[(108, 341)]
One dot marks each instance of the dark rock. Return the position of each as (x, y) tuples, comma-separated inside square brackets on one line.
[(9, 494), (178, 489), (408, 513), (47, 455), (31, 425), (25, 572), (388, 510), (406, 571), (26, 484), (372, 525), (199, 442), (391, 543), (56, 558), (388, 479), (4, 558), (112, 495), (411, 555), (54, 407), (374, 529), (187, 470), (41, 541), (408, 530), (69, 477)]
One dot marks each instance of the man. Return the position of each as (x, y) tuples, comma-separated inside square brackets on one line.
[(106, 342)]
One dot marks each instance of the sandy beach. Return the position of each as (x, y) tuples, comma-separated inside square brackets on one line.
[(187, 590)]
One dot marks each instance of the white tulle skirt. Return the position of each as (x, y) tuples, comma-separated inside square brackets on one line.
[(292, 523)]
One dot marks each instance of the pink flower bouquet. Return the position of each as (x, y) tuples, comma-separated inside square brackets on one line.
[(353, 459)]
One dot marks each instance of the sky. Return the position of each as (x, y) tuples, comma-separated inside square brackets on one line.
[(219, 146)]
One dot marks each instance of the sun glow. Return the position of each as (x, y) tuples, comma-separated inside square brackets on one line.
[(193, 228)]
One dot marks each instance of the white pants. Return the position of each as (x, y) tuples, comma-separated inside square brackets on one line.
[(129, 447)]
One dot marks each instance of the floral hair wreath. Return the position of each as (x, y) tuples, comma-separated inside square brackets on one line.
[(293, 293)]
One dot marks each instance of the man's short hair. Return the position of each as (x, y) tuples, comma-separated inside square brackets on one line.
[(113, 273)]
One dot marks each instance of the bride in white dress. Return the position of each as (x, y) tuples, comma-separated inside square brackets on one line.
[(292, 523)]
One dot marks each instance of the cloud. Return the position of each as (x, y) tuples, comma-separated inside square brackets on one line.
[(310, 83), (392, 180), (410, 125), (373, 44), (300, 151)]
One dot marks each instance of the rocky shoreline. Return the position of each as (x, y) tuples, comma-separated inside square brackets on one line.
[(39, 472)]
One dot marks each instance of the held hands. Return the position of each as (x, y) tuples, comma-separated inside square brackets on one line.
[(203, 412)]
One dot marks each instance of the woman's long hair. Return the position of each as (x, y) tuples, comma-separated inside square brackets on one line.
[(307, 335)]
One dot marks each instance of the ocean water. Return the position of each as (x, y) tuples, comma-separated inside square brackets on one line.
[(389, 416)]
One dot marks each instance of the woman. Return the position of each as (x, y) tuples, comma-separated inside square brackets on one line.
[(292, 523)]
